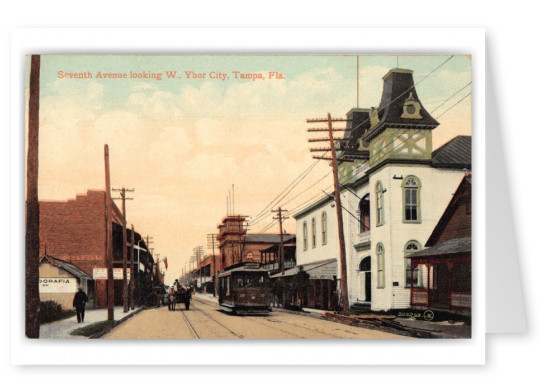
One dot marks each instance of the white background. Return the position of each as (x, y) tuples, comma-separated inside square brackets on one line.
[(517, 51)]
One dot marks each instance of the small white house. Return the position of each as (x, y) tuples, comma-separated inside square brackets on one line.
[(59, 281)]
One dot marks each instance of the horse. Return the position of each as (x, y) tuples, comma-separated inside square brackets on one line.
[(171, 300)]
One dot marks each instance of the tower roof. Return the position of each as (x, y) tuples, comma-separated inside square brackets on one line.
[(398, 91), (357, 124)]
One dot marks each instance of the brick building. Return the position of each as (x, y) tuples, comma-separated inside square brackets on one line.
[(202, 277), (238, 246), (75, 232)]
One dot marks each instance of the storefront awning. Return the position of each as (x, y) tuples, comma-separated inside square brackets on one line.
[(321, 270)]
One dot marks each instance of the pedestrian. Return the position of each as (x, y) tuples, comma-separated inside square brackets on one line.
[(187, 297), (79, 302)]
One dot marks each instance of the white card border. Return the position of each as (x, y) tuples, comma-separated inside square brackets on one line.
[(237, 40)]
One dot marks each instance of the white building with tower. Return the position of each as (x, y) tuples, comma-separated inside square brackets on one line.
[(394, 188)]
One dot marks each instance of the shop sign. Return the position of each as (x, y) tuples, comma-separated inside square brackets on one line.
[(101, 273), (57, 285), (117, 273)]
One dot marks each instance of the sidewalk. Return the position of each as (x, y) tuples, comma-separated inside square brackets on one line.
[(63, 328)]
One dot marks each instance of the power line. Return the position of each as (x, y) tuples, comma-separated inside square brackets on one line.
[(275, 199), (261, 215), (409, 89), (454, 105), (443, 103), (354, 177), (292, 185)]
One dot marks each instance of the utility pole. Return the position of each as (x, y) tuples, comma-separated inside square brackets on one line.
[(132, 270), (124, 246), (109, 240), (281, 247), (211, 238), (198, 254), (342, 252), (32, 221), (190, 268), (154, 267), (147, 242), (159, 269)]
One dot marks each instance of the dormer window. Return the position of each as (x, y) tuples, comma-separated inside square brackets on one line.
[(411, 108)]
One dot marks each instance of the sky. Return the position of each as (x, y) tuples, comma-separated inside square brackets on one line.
[(182, 142)]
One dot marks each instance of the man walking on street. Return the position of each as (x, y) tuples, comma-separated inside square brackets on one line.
[(79, 302), (187, 297)]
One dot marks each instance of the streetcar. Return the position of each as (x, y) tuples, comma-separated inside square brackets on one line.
[(244, 290)]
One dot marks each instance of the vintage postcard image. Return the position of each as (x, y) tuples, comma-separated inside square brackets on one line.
[(248, 196)]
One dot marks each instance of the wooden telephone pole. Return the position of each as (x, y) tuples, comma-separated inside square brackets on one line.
[(333, 159), (281, 247), (32, 217), (198, 255), (147, 242), (109, 240), (124, 246), (132, 283), (211, 239)]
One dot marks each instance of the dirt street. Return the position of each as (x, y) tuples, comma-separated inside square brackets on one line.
[(204, 321)]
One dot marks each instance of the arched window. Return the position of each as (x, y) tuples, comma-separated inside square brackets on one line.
[(304, 236), (313, 232), (411, 191), (364, 214), (250, 256), (380, 203), (380, 265), (411, 247), (324, 228)]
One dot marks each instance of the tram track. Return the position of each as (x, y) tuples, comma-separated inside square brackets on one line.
[(275, 328), (188, 322), (310, 329), (205, 313), (249, 319), (266, 323)]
